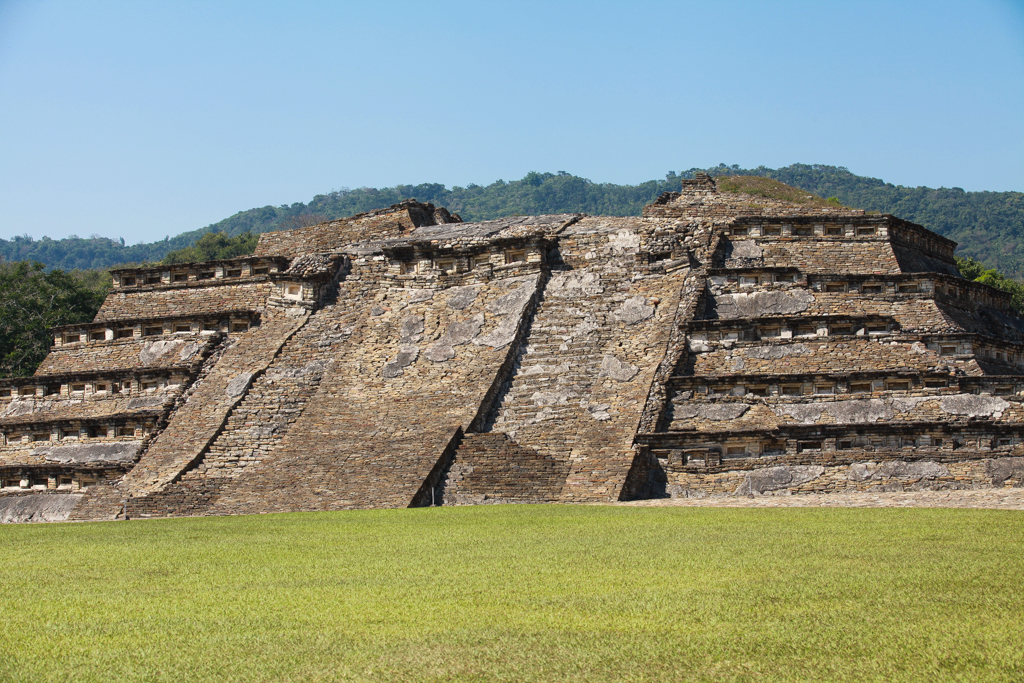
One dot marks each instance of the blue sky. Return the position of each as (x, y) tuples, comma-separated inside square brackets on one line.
[(146, 119)]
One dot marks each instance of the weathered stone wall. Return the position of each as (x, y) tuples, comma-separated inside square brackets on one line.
[(167, 353), (21, 416), (834, 360), (634, 318), (69, 445), (897, 474), (37, 508), (398, 220), (278, 397), (700, 200), (912, 305), (202, 298), (810, 255), (490, 468), (239, 270), (103, 500), (334, 234), (812, 355), (996, 324), (79, 473), (926, 406), (922, 251), (556, 370)]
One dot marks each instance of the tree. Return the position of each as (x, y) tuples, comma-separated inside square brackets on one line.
[(973, 269), (214, 246), (32, 301)]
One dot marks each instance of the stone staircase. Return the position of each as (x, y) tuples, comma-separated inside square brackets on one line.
[(491, 468), (100, 502), (256, 425), (277, 399), (195, 425), (558, 367), (521, 456)]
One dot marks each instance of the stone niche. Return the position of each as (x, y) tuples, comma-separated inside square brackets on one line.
[(456, 262)]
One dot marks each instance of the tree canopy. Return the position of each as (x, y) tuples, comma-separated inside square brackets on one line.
[(34, 300), (972, 269), (214, 246)]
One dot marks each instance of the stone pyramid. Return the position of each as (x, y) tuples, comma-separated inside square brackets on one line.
[(720, 344)]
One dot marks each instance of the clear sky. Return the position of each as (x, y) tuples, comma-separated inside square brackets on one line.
[(145, 119)]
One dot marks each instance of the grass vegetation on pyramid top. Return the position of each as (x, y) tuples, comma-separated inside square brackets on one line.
[(519, 593), (759, 186)]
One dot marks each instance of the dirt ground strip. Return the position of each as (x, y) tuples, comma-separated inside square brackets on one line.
[(1002, 499)]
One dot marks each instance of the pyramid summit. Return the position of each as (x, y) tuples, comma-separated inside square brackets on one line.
[(720, 344)]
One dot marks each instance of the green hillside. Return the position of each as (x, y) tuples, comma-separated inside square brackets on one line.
[(988, 225)]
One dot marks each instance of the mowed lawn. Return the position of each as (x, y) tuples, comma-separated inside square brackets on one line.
[(519, 593)]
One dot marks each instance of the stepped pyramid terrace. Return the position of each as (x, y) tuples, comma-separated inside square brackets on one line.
[(720, 344)]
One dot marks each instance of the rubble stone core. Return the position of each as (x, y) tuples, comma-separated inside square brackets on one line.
[(721, 344)]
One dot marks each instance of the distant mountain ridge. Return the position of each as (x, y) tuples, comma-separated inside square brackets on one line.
[(988, 225)]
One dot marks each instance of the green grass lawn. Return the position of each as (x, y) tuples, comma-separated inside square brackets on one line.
[(519, 593)]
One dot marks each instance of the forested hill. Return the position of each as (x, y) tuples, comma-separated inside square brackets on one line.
[(988, 225)]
